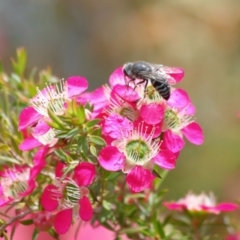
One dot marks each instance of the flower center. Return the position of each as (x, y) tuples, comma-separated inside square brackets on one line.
[(151, 92), (15, 183), (70, 193), (171, 119), (129, 113), (137, 151)]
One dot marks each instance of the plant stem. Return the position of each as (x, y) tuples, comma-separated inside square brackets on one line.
[(14, 219)]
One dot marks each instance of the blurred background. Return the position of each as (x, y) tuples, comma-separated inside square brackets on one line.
[(91, 38)]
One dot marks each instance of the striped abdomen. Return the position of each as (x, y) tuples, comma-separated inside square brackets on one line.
[(162, 87)]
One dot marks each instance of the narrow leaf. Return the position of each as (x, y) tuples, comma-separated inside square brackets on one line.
[(81, 114), (35, 234), (97, 140), (92, 123)]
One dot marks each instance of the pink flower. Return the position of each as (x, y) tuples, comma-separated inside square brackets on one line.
[(116, 126), (43, 220), (69, 196), (19, 181), (200, 203), (96, 98), (178, 122), (235, 236), (53, 98), (135, 153)]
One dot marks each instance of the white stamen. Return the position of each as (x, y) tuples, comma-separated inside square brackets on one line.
[(67, 193), (52, 97), (48, 138), (138, 134), (15, 182)]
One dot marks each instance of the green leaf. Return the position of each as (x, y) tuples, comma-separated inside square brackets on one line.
[(53, 233), (27, 222), (73, 132), (4, 147), (53, 125), (35, 234), (63, 156), (107, 205), (1, 67), (13, 231), (92, 123), (56, 119), (133, 230), (97, 140), (96, 132), (83, 144), (19, 65), (93, 151), (156, 174), (80, 111), (5, 236), (8, 159), (107, 225), (159, 229)]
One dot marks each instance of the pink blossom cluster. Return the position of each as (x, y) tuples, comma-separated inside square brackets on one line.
[(140, 129)]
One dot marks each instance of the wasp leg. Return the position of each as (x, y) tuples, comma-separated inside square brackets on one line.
[(131, 80), (145, 87)]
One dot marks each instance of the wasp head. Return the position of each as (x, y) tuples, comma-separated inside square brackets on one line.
[(127, 70)]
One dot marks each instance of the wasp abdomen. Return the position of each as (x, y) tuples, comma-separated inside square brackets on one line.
[(162, 88)]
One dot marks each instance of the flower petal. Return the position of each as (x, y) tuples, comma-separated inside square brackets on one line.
[(76, 85), (149, 129), (29, 143), (194, 134), (152, 113), (173, 206), (47, 201), (127, 93), (84, 173), (41, 128), (116, 126), (59, 169), (226, 207), (28, 117), (38, 162), (117, 77), (139, 179), (31, 187), (111, 159), (85, 210), (166, 159), (178, 99), (176, 73), (173, 142), (190, 109), (96, 98), (63, 221)]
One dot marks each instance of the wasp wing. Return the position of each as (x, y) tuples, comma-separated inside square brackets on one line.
[(159, 69)]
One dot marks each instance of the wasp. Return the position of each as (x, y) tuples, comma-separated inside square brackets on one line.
[(156, 74)]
